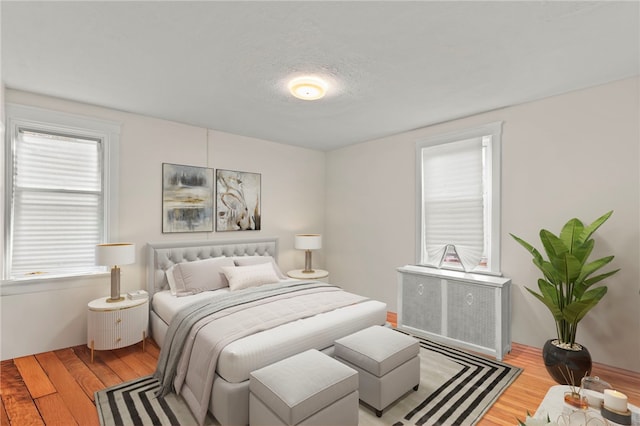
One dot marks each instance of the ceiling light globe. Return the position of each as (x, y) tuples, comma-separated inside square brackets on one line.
[(308, 88)]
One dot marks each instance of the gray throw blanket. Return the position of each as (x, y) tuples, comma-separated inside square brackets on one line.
[(181, 325)]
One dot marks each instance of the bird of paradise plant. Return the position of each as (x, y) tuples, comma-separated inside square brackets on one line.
[(566, 287)]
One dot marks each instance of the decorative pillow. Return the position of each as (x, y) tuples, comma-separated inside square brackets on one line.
[(201, 275), (250, 276), (254, 260), (171, 280)]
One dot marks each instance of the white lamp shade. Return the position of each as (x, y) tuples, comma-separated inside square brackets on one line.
[(115, 254), (308, 241)]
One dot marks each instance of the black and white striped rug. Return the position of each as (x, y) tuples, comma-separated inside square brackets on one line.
[(134, 403), (456, 388)]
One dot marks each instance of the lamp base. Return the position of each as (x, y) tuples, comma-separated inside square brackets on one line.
[(307, 263), (115, 286)]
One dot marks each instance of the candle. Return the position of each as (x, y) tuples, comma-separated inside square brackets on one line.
[(615, 401)]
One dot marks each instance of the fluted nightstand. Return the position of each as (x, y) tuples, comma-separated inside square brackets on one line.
[(117, 324)]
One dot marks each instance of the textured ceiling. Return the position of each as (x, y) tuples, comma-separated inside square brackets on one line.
[(393, 66)]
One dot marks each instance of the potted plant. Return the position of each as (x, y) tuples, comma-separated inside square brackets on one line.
[(566, 289)]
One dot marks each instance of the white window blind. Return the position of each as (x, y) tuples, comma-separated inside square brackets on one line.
[(453, 202), (57, 203), (458, 217)]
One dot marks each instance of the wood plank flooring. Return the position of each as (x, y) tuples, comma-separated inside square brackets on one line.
[(56, 388)]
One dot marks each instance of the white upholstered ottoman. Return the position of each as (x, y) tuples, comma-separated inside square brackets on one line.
[(309, 388), (388, 364)]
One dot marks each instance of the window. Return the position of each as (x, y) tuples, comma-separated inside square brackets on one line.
[(458, 181), (60, 191)]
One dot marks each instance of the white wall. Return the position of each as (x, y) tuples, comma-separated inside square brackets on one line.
[(292, 202), (571, 155)]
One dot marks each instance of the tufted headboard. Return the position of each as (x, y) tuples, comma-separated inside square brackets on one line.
[(162, 256)]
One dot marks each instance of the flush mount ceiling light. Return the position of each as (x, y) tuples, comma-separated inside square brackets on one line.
[(308, 88)]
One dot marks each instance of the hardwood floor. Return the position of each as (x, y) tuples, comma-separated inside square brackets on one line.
[(56, 388)]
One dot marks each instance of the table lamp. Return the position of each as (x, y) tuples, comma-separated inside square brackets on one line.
[(308, 242), (115, 254)]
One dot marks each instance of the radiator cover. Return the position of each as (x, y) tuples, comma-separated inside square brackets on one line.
[(467, 310)]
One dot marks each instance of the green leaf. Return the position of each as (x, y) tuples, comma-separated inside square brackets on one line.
[(583, 251), (574, 267), (553, 246), (548, 290), (549, 303), (563, 262), (589, 230), (532, 250), (575, 311), (570, 234), (550, 273), (582, 286), (591, 281), (591, 267)]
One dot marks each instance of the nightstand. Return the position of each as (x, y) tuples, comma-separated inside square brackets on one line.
[(317, 274), (117, 324)]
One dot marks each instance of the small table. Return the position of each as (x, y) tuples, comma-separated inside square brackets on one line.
[(553, 405), (113, 325), (317, 274)]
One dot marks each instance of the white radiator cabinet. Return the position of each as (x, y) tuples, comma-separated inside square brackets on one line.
[(472, 311)]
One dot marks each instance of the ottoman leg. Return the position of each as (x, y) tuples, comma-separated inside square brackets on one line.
[(379, 413), (415, 388)]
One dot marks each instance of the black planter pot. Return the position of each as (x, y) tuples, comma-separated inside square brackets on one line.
[(564, 364)]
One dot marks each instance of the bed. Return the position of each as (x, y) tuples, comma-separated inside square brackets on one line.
[(226, 394)]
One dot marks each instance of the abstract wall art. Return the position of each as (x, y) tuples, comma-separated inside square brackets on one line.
[(187, 198), (237, 201)]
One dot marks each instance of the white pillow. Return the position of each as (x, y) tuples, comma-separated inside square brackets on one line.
[(171, 280), (201, 274), (254, 260), (250, 276)]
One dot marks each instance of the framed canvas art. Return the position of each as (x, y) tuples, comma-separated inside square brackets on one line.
[(237, 201), (187, 198)]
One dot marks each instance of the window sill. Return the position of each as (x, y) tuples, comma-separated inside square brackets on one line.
[(41, 283)]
